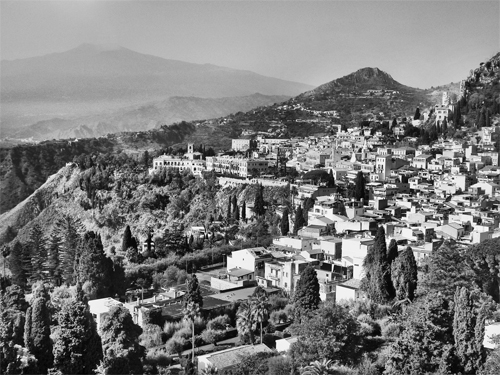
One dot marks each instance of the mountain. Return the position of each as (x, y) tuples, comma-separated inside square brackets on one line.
[(24, 168), (93, 79), (144, 117), (363, 79)]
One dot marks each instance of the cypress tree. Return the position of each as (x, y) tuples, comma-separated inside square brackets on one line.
[(93, 265), (457, 115), (306, 297), (236, 209), (392, 251), (308, 204), (244, 211), (444, 127), (77, 345), (259, 201), (127, 239), (377, 282), (469, 351), (404, 275), (394, 123), (285, 223), (417, 114), (299, 220), (193, 294), (359, 189), (37, 329), (229, 216)]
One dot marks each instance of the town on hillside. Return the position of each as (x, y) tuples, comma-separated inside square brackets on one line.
[(366, 249)]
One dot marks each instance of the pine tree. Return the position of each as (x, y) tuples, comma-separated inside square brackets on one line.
[(306, 297), (377, 282), (464, 330), (53, 259), (120, 343), (17, 265), (244, 211), (359, 189), (285, 223), (299, 220), (37, 329), (404, 275), (37, 246), (69, 230), (392, 251), (77, 345), (193, 293)]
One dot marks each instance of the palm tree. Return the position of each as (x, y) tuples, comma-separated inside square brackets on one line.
[(191, 312), (325, 367), (260, 309), (244, 321)]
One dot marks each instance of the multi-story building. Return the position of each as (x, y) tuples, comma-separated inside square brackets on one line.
[(242, 167), (240, 144), (191, 161)]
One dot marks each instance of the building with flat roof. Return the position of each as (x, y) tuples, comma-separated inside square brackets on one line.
[(242, 167)]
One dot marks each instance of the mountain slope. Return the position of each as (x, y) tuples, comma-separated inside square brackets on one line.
[(144, 117), (91, 79), (363, 79)]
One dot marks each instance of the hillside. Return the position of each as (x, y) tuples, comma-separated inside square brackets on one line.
[(93, 79), (25, 167), (143, 117)]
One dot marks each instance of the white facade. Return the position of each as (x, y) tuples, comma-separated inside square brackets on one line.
[(242, 167)]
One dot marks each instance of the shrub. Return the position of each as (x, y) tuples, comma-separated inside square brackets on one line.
[(219, 323), (277, 302), (175, 345), (279, 365), (279, 316), (212, 336), (170, 328), (151, 336), (391, 330)]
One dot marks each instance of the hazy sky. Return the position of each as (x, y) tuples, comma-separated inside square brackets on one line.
[(420, 43)]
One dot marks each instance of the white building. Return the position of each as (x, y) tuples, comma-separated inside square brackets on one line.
[(99, 308), (191, 161), (240, 144), (242, 167)]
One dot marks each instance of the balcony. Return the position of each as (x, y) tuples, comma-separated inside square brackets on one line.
[(273, 277)]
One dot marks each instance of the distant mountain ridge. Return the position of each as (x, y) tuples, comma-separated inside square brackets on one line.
[(144, 117), (90, 80)]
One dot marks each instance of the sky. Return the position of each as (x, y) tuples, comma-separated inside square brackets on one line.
[(420, 43)]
